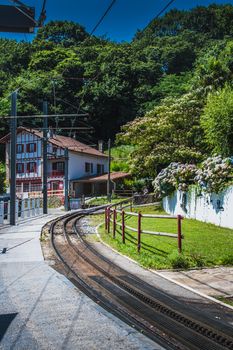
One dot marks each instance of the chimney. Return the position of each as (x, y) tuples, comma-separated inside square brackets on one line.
[(50, 133), (100, 146)]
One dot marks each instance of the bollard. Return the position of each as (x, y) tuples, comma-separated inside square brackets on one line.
[(123, 226), (139, 231), (179, 238), (114, 223)]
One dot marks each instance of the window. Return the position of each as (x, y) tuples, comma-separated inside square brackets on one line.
[(89, 167), (31, 167), (19, 168), (58, 166), (100, 168), (31, 147), (26, 187), (19, 148)]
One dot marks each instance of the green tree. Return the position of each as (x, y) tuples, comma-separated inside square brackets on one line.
[(170, 132), (217, 121)]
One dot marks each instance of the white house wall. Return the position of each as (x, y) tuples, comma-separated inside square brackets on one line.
[(77, 164), (212, 208)]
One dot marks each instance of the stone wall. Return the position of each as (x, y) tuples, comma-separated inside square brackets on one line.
[(213, 208)]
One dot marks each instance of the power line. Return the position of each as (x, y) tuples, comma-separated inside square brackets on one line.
[(164, 9), (103, 16)]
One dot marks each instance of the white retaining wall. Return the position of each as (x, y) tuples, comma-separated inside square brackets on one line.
[(213, 208)]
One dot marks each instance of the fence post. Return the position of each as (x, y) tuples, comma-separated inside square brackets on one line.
[(179, 218), (139, 230), (28, 208), (33, 207), (1, 212), (123, 226), (16, 210), (109, 218), (106, 218), (114, 223), (22, 209), (131, 204)]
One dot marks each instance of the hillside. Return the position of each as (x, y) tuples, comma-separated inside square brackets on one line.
[(183, 55)]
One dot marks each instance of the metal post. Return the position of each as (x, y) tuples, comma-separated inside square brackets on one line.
[(123, 226), (109, 171), (13, 129), (139, 231), (66, 180), (45, 158), (179, 218)]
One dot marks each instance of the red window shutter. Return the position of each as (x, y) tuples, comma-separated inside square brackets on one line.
[(28, 167), (22, 148), (28, 147), (22, 168), (34, 147), (35, 167)]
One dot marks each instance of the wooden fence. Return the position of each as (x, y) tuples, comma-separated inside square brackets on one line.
[(111, 217)]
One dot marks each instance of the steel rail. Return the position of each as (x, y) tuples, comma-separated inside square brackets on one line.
[(100, 299), (212, 339)]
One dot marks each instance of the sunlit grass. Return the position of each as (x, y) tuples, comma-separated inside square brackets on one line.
[(203, 244)]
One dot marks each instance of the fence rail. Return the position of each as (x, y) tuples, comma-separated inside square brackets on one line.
[(111, 217), (25, 208)]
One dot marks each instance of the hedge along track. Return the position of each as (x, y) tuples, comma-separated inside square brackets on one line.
[(130, 298)]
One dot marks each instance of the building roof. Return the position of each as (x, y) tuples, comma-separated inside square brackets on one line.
[(103, 178), (60, 141)]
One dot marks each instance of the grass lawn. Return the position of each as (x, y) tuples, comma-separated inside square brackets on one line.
[(104, 200), (203, 244)]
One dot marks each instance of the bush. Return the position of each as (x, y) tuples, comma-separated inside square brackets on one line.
[(178, 261), (175, 176), (54, 202), (214, 174)]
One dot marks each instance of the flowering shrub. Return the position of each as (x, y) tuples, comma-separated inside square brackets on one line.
[(175, 176), (214, 174)]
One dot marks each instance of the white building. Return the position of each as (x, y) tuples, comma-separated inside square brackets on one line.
[(84, 162)]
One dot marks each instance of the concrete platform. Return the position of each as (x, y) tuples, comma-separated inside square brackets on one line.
[(214, 282), (41, 309)]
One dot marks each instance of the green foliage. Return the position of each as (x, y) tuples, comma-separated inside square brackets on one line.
[(2, 177), (170, 132), (217, 121), (166, 71), (120, 156), (203, 244), (178, 261), (63, 33), (54, 202)]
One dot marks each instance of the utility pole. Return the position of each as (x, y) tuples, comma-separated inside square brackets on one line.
[(66, 180), (13, 128), (45, 158), (109, 171)]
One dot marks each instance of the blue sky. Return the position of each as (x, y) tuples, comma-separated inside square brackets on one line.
[(121, 23)]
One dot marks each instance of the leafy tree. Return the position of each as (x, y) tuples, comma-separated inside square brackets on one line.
[(170, 132), (217, 121), (63, 33)]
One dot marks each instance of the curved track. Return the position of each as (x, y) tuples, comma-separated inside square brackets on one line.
[(153, 312)]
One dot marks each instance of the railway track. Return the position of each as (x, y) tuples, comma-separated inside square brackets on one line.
[(159, 316)]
